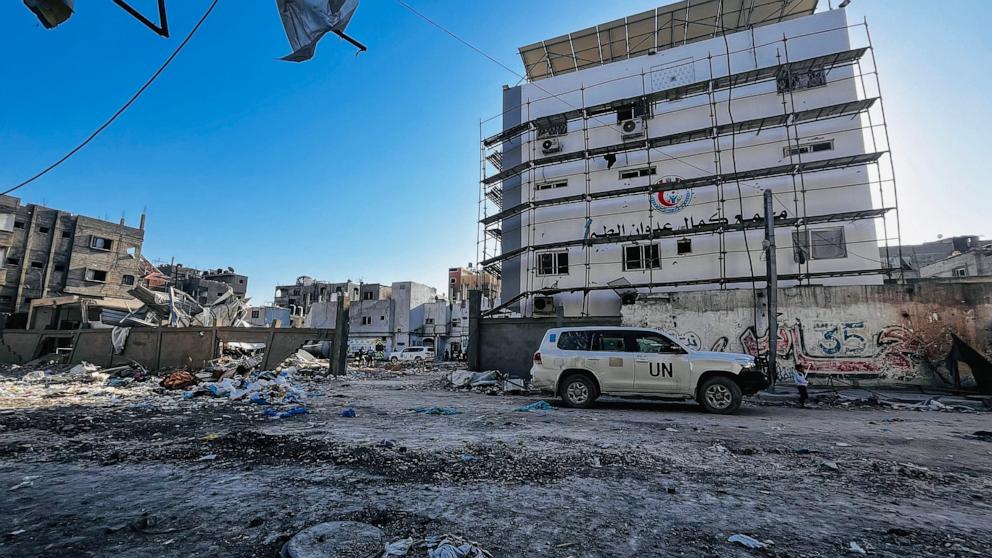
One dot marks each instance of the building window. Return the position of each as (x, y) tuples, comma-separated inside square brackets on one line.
[(794, 81), (456, 322), (634, 173), (382, 318), (66, 234), (127, 279), (58, 267), (366, 320), (38, 265), (367, 295), (552, 263), (549, 186), (354, 293), (13, 261), (960, 272), (43, 229), (100, 243), (820, 244), (296, 292), (429, 321), (815, 147), (255, 314), (6, 299), (96, 275), (683, 246), (18, 224), (632, 111), (641, 257)]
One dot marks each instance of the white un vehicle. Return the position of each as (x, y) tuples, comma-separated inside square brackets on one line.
[(581, 363), (412, 354)]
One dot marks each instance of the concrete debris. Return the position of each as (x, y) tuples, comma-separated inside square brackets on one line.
[(492, 382), (437, 411), (855, 548), (744, 540), (178, 309)]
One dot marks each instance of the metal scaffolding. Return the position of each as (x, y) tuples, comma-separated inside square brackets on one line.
[(494, 174)]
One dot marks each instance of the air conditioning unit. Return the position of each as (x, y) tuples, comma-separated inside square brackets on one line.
[(550, 145), (544, 305), (632, 129)]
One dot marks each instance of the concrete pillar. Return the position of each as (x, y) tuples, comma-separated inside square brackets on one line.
[(474, 330)]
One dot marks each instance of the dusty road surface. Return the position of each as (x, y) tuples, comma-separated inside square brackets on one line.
[(132, 472)]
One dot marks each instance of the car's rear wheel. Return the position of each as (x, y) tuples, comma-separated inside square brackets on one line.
[(418, 360), (578, 391), (720, 395), (394, 359)]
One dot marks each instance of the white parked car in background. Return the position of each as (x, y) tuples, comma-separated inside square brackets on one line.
[(412, 354), (581, 363)]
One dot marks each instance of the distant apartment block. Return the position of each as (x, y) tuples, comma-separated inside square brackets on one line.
[(50, 253)]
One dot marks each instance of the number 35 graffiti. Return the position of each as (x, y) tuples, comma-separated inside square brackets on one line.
[(848, 338)]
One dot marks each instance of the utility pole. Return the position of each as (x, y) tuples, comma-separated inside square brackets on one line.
[(772, 287)]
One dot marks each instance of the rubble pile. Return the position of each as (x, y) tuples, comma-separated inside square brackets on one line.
[(178, 309), (492, 382)]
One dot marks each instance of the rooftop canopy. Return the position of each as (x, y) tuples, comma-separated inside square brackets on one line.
[(665, 27)]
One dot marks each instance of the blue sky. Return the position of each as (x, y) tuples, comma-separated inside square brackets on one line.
[(367, 167)]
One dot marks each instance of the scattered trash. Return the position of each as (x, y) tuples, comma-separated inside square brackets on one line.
[(747, 541), (670, 430), (829, 465), (444, 546), (285, 414), (22, 485), (856, 548), (535, 407), (842, 445), (180, 379), (349, 413), (468, 458), (437, 411), (493, 382), (208, 457), (35, 376)]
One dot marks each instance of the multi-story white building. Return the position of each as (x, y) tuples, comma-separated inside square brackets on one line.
[(635, 156)]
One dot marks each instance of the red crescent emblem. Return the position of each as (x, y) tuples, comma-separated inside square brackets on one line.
[(663, 201)]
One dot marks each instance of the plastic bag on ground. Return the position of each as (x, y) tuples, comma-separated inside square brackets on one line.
[(537, 406)]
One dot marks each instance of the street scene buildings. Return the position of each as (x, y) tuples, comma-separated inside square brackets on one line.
[(697, 322)]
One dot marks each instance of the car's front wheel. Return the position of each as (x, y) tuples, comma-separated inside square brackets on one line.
[(720, 395), (394, 359), (578, 391)]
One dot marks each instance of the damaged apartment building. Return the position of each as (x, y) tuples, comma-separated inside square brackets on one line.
[(60, 270), (206, 286)]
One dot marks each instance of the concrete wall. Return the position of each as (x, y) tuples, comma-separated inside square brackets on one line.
[(156, 348), (508, 344), (878, 333)]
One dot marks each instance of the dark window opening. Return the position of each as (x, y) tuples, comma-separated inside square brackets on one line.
[(58, 267), (809, 148), (127, 279), (641, 257), (38, 265), (684, 246), (18, 224), (96, 275), (100, 243), (366, 320), (552, 263), (255, 314), (545, 186), (6, 299), (551, 126), (66, 234), (821, 244), (13, 261), (638, 109), (634, 173), (43, 229), (795, 81)]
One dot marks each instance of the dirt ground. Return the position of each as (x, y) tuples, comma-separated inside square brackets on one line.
[(133, 472)]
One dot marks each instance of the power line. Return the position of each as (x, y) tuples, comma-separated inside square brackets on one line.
[(121, 110)]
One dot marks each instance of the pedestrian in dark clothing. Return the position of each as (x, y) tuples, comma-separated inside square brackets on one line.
[(799, 376)]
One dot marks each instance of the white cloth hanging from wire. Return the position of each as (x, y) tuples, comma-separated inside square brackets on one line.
[(306, 21)]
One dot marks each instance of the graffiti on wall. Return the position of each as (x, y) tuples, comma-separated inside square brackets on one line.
[(840, 348)]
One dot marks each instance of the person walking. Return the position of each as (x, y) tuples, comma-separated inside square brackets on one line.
[(799, 376)]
